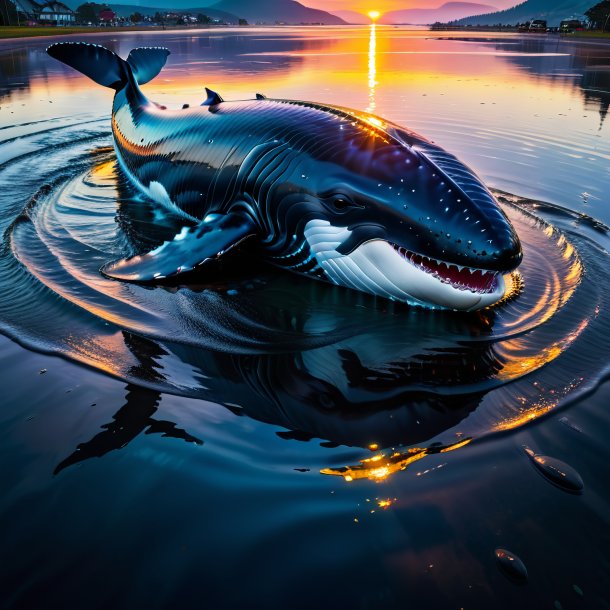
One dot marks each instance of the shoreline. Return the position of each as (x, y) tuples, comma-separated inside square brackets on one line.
[(8, 33), (18, 32)]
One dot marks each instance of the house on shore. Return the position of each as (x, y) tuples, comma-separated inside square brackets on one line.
[(56, 13), (47, 13)]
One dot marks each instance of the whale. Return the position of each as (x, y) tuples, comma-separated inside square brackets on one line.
[(324, 191)]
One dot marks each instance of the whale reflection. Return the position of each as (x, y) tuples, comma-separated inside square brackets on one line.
[(133, 418)]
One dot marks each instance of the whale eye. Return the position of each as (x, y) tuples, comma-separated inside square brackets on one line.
[(342, 203)]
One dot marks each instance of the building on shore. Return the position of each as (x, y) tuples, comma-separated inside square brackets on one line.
[(56, 13), (47, 13)]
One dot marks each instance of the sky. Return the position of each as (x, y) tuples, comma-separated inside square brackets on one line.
[(394, 5)]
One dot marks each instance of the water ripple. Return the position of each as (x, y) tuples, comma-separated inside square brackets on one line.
[(318, 360)]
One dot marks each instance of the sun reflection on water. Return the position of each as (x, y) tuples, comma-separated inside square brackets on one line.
[(372, 81)]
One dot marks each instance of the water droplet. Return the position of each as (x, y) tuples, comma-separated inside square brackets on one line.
[(511, 565), (557, 472)]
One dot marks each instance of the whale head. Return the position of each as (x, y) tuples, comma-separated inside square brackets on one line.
[(391, 214)]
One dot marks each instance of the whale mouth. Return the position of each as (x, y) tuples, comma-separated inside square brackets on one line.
[(479, 281)]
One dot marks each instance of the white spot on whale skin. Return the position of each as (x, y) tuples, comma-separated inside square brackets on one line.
[(182, 235), (155, 190), (159, 193)]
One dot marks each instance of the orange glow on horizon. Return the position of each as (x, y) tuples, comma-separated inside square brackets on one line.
[(390, 5)]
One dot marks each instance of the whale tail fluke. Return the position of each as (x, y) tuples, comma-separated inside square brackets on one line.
[(107, 68), (146, 62)]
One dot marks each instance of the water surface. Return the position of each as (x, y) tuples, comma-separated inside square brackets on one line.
[(257, 439)]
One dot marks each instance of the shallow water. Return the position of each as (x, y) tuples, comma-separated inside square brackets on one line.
[(265, 440)]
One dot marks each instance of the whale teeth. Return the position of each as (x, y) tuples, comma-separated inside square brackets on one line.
[(460, 277)]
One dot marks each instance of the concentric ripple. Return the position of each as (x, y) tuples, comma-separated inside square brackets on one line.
[(321, 361)]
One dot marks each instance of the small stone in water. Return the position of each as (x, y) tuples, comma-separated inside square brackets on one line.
[(511, 565), (42, 371), (577, 590), (557, 472), (566, 422)]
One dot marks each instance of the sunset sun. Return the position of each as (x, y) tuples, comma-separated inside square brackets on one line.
[(374, 15)]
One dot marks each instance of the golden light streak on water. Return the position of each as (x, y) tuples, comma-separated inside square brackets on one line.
[(526, 416), (380, 467), (372, 81), (517, 366), (557, 291), (385, 503), (106, 353), (532, 412)]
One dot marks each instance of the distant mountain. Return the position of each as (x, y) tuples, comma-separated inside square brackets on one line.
[(274, 11), (353, 17), (447, 12), (124, 10), (553, 11)]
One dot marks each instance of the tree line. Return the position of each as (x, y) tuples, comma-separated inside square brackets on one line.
[(599, 16), (93, 12)]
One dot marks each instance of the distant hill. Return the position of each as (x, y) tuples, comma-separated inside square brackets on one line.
[(124, 10), (353, 17), (257, 11), (447, 12), (273, 11), (553, 11)]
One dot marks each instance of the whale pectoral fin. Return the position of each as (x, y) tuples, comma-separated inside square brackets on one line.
[(210, 239)]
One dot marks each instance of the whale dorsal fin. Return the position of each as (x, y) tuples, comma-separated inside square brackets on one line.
[(260, 96), (212, 99), (146, 62), (193, 246)]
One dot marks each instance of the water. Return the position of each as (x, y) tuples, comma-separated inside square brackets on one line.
[(258, 439)]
